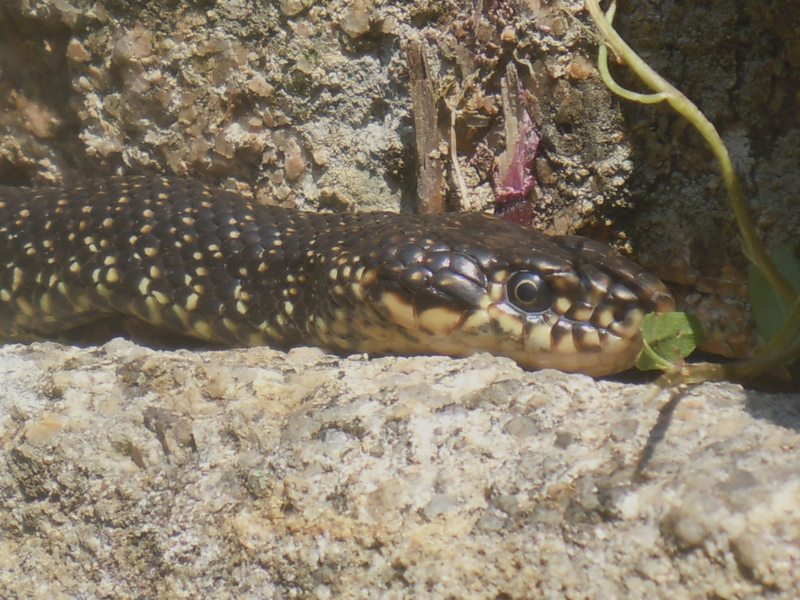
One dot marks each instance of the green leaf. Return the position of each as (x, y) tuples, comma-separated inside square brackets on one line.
[(769, 309), (668, 338)]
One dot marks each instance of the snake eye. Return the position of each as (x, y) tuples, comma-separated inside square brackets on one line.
[(529, 292)]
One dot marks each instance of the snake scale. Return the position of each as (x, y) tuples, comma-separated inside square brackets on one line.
[(216, 266)]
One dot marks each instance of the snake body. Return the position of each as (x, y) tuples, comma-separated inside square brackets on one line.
[(213, 265)]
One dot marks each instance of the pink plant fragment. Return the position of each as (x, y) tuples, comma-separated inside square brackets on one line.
[(513, 169)]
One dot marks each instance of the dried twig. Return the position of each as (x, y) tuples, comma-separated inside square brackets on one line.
[(430, 167), (453, 102)]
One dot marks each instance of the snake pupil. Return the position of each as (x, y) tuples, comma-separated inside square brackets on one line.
[(528, 292)]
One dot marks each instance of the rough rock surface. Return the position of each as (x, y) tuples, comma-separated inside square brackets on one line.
[(738, 61), (131, 473)]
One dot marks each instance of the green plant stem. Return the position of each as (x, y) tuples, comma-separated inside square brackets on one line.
[(605, 74), (783, 348), (660, 362), (788, 331), (667, 92), (736, 371)]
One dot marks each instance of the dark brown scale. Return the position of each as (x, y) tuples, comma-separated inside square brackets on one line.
[(567, 284), (467, 268), (560, 330), (459, 291), (594, 278), (582, 332), (415, 277), (435, 296), (410, 254), (391, 268)]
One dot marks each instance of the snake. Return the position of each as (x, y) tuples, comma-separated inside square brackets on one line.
[(218, 266)]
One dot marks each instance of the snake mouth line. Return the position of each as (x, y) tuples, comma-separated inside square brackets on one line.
[(543, 340)]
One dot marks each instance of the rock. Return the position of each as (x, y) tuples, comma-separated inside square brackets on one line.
[(129, 472)]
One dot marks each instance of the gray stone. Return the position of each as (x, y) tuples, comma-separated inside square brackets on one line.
[(129, 472)]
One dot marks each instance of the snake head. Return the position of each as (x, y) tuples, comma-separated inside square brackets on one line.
[(462, 284)]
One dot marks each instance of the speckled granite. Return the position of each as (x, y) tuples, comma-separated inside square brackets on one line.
[(131, 473)]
